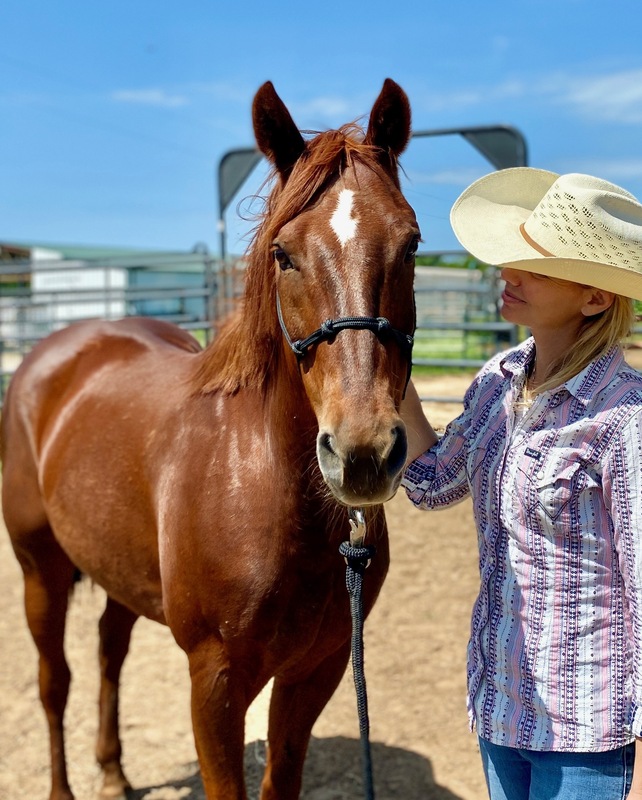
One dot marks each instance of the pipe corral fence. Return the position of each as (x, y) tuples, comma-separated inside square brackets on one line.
[(458, 320), (457, 309)]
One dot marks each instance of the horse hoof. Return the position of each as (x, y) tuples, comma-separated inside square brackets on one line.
[(115, 787), (113, 793)]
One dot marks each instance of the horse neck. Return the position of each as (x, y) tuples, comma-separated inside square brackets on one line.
[(288, 409), (249, 355), (267, 395), (246, 351)]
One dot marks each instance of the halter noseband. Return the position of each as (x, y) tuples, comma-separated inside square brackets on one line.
[(380, 326)]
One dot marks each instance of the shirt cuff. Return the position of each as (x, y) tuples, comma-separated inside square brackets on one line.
[(418, 477)]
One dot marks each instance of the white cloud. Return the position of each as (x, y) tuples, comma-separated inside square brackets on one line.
[(150, 97), (611, 169), (464, 98), (324, 107), (225, 91), (329, 109), (468, 98), (446, 177), (613, 98)]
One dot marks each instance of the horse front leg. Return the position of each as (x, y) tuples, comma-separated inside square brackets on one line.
[(294, 708), (219, 705), (115, 629)]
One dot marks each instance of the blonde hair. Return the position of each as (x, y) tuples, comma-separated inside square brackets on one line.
[(598, 334)]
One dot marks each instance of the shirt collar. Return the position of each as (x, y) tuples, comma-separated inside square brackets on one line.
[(582, 386), (515, 362)]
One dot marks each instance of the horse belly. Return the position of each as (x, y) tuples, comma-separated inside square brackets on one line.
[(97, 502), (81, 410)]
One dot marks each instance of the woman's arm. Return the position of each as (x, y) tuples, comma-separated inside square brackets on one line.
[(421, 436), (622, 488)]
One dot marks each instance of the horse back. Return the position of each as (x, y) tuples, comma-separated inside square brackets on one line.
[(72, 360), (72, 443)]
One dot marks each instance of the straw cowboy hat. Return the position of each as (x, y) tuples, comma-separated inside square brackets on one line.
[(574, 227)]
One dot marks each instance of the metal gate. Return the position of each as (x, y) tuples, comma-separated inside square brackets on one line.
[(458, 321), (39, 296)]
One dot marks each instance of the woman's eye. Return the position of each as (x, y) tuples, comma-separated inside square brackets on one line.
[(282, 258)]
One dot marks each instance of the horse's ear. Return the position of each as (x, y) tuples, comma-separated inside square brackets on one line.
[(389, 125), (277, 137)]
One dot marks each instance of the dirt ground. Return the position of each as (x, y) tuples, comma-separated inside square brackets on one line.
[(415, 642)]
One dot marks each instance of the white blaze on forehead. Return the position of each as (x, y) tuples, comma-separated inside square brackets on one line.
[(342, 221)]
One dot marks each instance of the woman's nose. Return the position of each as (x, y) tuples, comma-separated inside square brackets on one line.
[(510, 275)]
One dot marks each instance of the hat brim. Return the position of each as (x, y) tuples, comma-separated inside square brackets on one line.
[(486, 219), (625, 282)]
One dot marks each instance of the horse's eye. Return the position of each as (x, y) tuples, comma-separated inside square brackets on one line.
[(412, 248), (282, 258)]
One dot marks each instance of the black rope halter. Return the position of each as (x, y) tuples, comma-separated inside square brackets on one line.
[(380, 326)]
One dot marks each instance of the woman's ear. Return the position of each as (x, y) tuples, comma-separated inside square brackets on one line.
[(598, 300)]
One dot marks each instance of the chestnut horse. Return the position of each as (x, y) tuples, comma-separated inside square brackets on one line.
[(209, 489)]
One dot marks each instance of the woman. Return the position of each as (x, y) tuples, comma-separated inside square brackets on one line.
[(549, 447)]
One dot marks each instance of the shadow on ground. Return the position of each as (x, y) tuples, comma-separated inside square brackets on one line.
[(333, 771)]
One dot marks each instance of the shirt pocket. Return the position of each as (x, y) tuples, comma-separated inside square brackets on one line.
[(560, 494)]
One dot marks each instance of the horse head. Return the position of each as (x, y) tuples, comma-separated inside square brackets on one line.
[(342, 240)]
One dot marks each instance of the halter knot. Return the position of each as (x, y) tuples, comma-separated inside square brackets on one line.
[(331, 327), (327, 329), (357, 559)]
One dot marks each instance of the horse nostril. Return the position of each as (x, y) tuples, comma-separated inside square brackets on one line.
[(398, 451), (329, 461), (325, 443)]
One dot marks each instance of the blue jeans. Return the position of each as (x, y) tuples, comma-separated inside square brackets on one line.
[(514, 774)]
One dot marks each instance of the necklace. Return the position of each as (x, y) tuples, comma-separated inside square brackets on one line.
[(525, 397)]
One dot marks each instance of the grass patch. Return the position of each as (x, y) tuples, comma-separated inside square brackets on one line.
[(456, 345)]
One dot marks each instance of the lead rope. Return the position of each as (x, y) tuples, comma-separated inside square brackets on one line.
[(357, 557)]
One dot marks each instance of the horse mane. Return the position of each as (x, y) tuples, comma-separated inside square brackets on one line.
[(246, 349)]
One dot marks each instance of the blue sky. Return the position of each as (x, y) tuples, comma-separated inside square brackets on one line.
[(114, 116)]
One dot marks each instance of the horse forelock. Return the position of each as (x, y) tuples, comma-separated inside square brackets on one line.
[(245, 350), (325, 158)]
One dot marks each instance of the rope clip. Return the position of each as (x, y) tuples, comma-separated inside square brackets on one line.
[(357, 527), (357, 533)]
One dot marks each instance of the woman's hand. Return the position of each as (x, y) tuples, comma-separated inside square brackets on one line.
[(421, 436)]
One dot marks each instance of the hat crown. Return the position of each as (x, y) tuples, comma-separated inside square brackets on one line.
[(587, 218), (572, 227)]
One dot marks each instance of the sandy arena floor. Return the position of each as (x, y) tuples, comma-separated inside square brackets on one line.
[(415, 644)]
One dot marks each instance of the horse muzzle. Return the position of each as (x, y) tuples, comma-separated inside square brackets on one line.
[(361, 474)]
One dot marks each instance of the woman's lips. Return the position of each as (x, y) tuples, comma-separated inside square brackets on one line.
[(508, 297)]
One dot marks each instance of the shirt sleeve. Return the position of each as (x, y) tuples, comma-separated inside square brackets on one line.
[(623, 495), (438, 477)]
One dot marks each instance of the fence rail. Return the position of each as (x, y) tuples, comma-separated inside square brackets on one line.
[(458, 322)]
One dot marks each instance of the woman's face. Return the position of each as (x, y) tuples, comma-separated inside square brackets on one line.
[(549, 304)]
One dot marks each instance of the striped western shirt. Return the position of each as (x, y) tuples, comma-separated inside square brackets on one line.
[(555, 652)]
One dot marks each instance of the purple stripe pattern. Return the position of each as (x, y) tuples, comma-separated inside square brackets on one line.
[(554, 657)]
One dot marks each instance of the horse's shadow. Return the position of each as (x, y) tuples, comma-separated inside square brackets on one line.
[(333, 771)]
